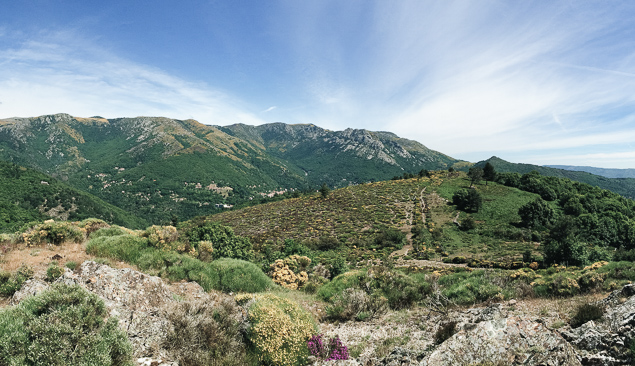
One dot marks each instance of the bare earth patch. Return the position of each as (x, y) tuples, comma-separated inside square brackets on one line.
[(40, 256)]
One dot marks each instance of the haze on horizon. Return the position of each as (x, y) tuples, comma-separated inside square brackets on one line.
[(541, 82)]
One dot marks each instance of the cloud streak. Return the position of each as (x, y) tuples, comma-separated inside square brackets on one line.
[(63, 72)]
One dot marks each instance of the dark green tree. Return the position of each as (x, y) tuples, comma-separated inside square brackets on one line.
[(467, 200), (563, 244), (489, 173), (325, 190), (536, 214), (475, 174)]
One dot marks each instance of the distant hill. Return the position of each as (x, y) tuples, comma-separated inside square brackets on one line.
[(27, 195), (622, 186), (164, 169), (609, 173), (341, 157)]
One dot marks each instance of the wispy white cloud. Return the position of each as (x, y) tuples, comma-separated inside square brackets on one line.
[(269, 109), (63, 72), (467, 77)]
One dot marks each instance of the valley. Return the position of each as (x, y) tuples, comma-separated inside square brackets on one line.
[(160, 225)]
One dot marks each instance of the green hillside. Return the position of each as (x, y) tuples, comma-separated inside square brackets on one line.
[(623, 186), (360, 221), (27, 195)]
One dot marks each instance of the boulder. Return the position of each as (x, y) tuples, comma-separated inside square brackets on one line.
[(503, 341), (29, 288), (606, 341)]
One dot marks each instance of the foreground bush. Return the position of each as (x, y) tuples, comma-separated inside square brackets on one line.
[(12, 282), (585, 313), (108, 231), (327, 351), (280, 329), (397, 289), (53, 232), (465, 288), (226, 244), (64, 325), (91, 225), (225, 274), (356, 304), (207, 331)]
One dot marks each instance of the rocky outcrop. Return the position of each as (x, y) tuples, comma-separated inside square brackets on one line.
[(607, 341), (135, 298), (504, 341)]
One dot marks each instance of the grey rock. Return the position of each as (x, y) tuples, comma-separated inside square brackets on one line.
[(400, 357), (605, 341), (504, 341), (133, 297), (30, 288)]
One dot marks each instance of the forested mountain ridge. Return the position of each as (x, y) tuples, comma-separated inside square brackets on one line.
[(352, 155), (605, 172), (27, 195), (623, 186), (160, 168)]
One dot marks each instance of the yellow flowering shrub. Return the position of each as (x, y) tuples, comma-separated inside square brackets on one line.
[(283, 275), (164, 238), (91, 225), (280, 329), (53, 232), (525, 274), (597, 265), (205, 250)]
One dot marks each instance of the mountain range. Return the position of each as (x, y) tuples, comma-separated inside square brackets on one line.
[(160, 168), (605, 172)]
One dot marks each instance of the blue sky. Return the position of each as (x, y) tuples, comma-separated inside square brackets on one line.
[(543, 82)]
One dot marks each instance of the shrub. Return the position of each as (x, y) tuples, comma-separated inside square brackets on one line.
[(285, 277), (225, 274), (563, 285), (226, 243), (64, 325), (207, 331), (323, 243), (11, 283), (54, 272), (390, 237), (108, 231), (585, 313), (468, 223), (445, 331), (205, 250), (279, 330), (164, 238), (591, 280), (235, 275), (332, 350), (52, 232), (91, 225), (399, 289), (356, 304), (126, 248), (338, 266), (71, 265), (468, 288)]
